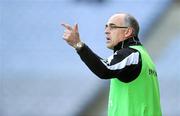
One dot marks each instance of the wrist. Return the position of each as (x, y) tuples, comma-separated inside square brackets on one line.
[(78, 45)]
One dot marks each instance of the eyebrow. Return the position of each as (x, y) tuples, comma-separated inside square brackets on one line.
[(109, 24), (112, 24)]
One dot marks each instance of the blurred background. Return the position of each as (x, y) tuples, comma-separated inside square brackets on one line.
[(40, 75)]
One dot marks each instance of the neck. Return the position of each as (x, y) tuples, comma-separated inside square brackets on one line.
[(126, 43)]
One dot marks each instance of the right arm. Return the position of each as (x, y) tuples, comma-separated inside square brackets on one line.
[(125, 65)]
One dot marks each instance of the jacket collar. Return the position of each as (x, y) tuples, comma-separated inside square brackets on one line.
[(126, 43)]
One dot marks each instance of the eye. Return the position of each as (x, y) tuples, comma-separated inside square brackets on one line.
[(112, 26), (106, 26)]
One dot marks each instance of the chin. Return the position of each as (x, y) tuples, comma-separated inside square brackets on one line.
[(110, 47)]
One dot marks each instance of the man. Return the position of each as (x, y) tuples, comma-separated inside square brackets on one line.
[(134, 87)]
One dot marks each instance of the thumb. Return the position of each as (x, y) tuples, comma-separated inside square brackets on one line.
[(76, 27)]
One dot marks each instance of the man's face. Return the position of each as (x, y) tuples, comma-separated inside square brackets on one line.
[(115, 35)]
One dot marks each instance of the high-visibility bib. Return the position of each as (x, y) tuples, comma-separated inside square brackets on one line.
[(137, 98)]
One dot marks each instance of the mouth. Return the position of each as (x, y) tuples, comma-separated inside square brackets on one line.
[(108, 39)]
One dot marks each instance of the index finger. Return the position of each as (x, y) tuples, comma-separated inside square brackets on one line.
[(67, 26)]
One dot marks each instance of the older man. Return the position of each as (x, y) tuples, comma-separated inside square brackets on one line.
[(134, 89)]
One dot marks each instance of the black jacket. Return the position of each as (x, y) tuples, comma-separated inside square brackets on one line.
[(125, 63)]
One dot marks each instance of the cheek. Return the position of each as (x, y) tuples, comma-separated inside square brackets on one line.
[(119, 37), (116, 37)]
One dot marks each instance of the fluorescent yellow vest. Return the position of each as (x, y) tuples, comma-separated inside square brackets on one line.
[(139, 97)]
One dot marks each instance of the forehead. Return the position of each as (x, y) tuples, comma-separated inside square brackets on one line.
[(117, 19)]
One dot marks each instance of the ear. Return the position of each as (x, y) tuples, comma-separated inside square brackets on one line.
[(129, 32)]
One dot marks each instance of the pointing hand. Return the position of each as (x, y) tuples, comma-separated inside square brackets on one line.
[(71, 34)]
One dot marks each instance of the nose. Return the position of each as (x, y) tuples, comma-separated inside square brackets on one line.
[(107, 31)]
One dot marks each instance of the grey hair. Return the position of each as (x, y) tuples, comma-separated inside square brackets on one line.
[(130, 21)]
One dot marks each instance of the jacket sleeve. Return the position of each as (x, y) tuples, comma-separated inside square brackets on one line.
[(124, 65)]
